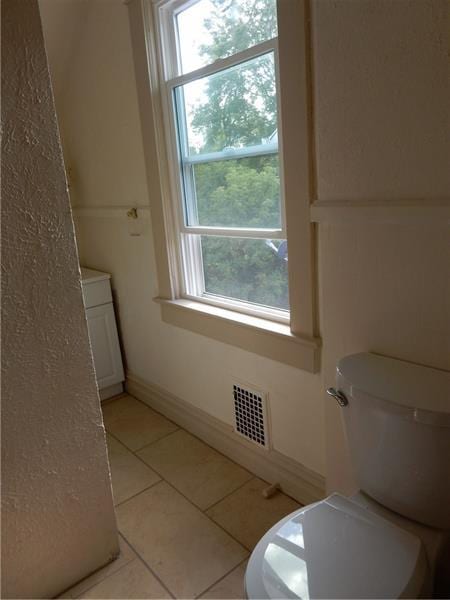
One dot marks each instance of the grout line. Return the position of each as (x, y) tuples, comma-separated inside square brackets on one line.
[(140, 492), (112, 399), (96, 572), (222, 578), (103, 578), (134, 452), (158, 440), (228, 494), (203, 511), (148, 566), (152, 409), (207, 516), (107, 566), (188, 499)]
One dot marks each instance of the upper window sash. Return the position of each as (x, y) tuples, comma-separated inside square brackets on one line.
[(176, 80), (175, 84), (174, 95)]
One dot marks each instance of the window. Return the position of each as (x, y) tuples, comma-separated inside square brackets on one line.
[(220, 72), (233, 177)]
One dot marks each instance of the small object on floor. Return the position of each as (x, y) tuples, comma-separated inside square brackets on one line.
[(271, 490)]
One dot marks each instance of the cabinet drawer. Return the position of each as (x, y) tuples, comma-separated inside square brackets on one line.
[(96, 293)]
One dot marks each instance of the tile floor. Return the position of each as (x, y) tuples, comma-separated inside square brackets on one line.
[(188, 516)]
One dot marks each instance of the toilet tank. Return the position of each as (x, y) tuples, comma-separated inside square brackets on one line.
[(397, 423)]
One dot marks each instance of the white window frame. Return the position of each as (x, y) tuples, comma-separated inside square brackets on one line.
[(295, 342), (189, 263)]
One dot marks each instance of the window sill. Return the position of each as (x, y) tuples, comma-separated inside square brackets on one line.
[(260, 336)]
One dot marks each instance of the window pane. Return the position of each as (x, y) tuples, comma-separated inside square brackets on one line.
[(212, 29), (232, 109), (237, 193), (246, 269)]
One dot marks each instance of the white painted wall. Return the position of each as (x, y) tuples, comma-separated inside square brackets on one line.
[(379, 115), (104, 151), (58, 522), (381, 96)]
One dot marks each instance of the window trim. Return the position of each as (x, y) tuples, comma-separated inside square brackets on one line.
[(297, 180), (164, 12)]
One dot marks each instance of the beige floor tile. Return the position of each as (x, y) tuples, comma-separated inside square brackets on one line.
[(195, 469), (126, 556), (247, 515), (129, 474), (181, 545), (230, 587), (135, 424), (133, 580)]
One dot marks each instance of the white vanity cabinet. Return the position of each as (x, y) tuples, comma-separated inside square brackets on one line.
[(103, 335)]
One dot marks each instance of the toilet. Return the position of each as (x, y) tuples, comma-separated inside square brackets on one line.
[(392, 538)]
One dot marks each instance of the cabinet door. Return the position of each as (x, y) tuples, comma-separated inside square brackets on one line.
[(105, 345)]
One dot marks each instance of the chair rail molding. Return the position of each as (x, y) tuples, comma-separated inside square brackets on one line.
[(389, 211), (111, 212)]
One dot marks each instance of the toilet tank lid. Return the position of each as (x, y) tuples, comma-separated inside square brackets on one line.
[(397, 381)]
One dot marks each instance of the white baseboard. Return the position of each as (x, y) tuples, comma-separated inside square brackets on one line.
[(298, 481), (110, 391)]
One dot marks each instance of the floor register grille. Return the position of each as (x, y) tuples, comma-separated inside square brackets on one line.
[(250, 410)]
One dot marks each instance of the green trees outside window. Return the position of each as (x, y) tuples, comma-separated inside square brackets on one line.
[(237, 108)]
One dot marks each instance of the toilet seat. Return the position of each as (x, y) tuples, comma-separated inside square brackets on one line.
[(336, 549)]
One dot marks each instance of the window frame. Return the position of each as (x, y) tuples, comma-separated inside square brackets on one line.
[(188, 250), (297, 342)]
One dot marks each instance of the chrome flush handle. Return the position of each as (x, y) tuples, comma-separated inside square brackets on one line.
[(338, 395)]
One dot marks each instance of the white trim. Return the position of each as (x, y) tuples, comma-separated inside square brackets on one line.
[(111, 212), (259, 234), (164, 185), (146, 64), (262, 336), (280, 143), (222, 64), (187, 268), (295, 138), (192, 259), (382, 211), (303, 484), (255, 310), (231, 154)]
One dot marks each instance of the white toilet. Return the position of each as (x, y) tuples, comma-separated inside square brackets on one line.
[(392, 538)]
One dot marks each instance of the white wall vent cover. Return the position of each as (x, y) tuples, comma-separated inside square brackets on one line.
[(250, 412)]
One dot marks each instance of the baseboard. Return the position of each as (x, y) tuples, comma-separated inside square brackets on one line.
[(298, 481), (110, 391)]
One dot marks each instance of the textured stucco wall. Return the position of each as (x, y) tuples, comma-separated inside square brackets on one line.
[(58, 522)]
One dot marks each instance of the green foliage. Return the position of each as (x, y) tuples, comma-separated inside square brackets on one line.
[(242, 193), (238, 24), (240, 110), (245, 269)]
